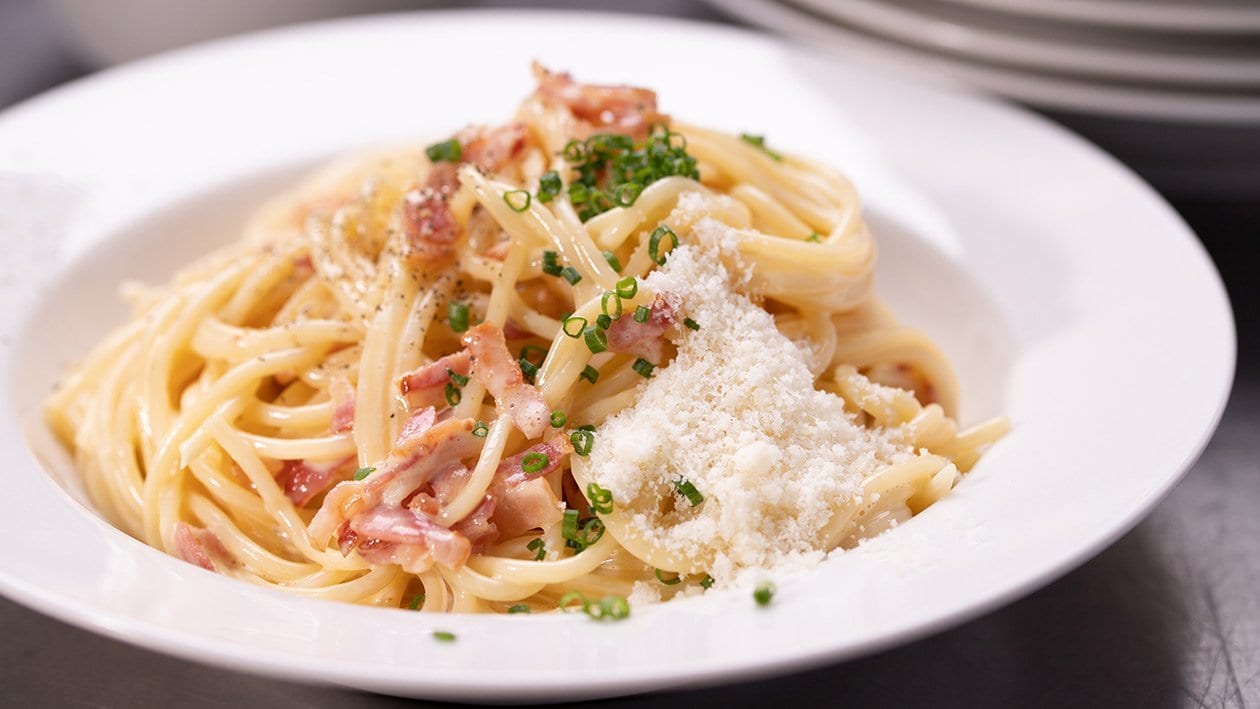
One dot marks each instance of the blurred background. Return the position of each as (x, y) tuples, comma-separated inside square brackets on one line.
[(1169, 616)]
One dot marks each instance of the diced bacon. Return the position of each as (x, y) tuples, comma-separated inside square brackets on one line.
[(644, 339), (477, 527), (407, 528), (512, 331), (420, 421), (525, 501), (191, 545), (443, 178), (492, 148), (425, 385), (428, 221), (499, 251), (303, 480), (556, 450), (347, 540), (501, 375), (342, 395), (627, 109), (414, 459)]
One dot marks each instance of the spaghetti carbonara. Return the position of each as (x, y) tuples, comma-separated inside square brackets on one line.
[(590, 355)]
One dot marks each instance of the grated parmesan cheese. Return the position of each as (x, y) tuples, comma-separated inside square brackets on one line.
[(736, 414)]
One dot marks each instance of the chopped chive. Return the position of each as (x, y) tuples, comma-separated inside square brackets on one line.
[(529, 370), (608, 608), (691, 324), (363, 473), (567, 600), (603, 322), (626, 193), (445, 151), (457, 378), (551, 263), (582, 442), (763, 593), (590, 374), (518, 200), (814, 237), (481, 430), (689, 491), (601, 498), (580, 536), (759, 141), (453, 394), (654, 243), (596, 341), (642, 313), (444, 636), (668, 582), (643, 367), (615, 298), (571, 275), (706, 582), (535, 461), (558, 419), (628, 287), (569, 525), (416, 601), (612, 260), (539, 547), (573, 326), (528, 351), (519, 608), (457, 316), (549, 186), (587, 427)]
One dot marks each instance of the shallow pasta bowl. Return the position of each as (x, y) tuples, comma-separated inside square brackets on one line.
[(1068, 295)]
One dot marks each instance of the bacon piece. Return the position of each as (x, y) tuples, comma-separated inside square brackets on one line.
[(499, 251), (492, 148), (525, 501), (425, 385), (302, 480), (477, 527), (191, 545), (501, 375), (443, 178), (644, 339), (408, 528), (627, 109), (342, 394), (428, 221)]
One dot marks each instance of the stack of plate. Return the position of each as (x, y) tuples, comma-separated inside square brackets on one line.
[(1170, 86)]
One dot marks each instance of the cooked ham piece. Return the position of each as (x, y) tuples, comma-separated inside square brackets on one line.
[(342, 394), (428, 222), (192, 545), (644, 339), (478, 527), (303, 480), (492, 148), (494, 365), (626, 109), (525, 501), (426, 385), (414, 534)]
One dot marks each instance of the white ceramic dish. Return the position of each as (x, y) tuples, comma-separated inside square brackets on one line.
[(1040, 89), (1205, 16), (1067, 293), (1045, 46)]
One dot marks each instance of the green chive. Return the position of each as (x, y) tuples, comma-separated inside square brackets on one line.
[(815, 237), (416, 601), (457, 378), (535, 461), (567, 600), (642, 313), (691, 324), (519, 608), (580, 536), (764, 593), (668, 582), (539, 547), (706, 582), (590, 374), (627, 287), (608, 608), (582, 442), (444, 636), (481, 430), (612, 260), (571, 275), (601, 498), (518, 200), (551, 263), (569, 526), (759, 141), (453, 394), (573, 326), (558, 419), (596, 341), (363, 473), (654, 243), (603, 322), (549, 186), (689, 491), (626, 193), (529, 350), (587, 427), (529, 370), (457, 316), (445, 151), (615, 298), (643, 367)]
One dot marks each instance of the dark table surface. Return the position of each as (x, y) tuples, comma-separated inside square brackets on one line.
[(1167, 616)]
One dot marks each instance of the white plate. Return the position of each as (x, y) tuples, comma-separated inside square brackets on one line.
[(1036, 44), (1206, 16), (1046, 90), (1066, 292)]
